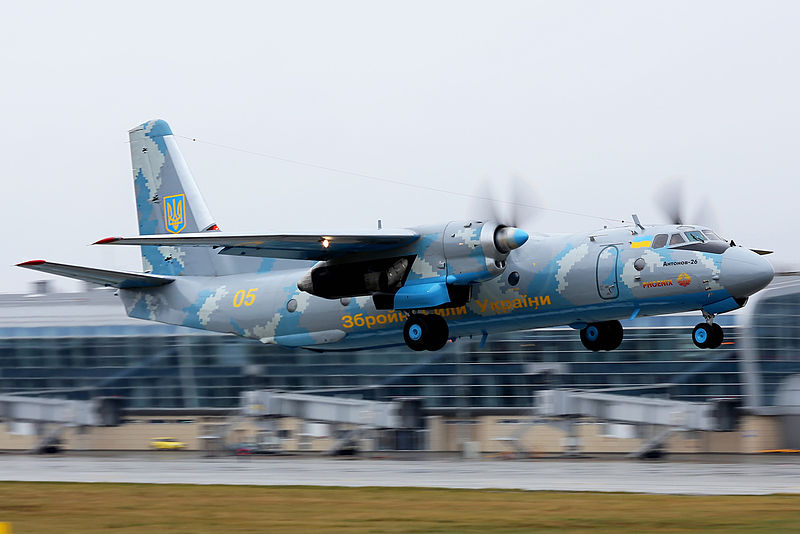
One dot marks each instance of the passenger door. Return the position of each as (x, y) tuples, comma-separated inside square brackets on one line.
[(607, 283)]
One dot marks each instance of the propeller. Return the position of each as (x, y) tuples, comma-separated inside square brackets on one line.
[(670, 198), (517, 206)]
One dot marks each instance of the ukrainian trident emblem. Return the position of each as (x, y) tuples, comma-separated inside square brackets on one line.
[(174, 213)]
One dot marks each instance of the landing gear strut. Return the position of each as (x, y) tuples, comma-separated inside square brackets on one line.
[(425, 332), (606, 335)]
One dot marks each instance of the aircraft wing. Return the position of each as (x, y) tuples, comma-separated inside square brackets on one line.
[(300, 246), (120, 279)]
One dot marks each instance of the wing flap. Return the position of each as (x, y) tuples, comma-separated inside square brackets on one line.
[(105, 277), (301, 246)]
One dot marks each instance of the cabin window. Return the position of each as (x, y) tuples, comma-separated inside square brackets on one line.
[(659, 241), (695, 237), (676, 239)]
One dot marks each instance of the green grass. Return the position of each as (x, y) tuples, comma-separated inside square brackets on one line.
[(43, 507)]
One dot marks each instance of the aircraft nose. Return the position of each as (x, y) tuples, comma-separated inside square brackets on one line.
[(744, 272)]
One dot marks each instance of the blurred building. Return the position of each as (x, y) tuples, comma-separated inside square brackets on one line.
[(82, 345)]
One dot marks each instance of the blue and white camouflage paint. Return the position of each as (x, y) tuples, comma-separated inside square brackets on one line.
[(577, 279)]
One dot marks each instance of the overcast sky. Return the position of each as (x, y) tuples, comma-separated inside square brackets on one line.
[(595, 104)]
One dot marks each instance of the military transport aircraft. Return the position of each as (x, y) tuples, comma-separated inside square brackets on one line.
[(425, 285)]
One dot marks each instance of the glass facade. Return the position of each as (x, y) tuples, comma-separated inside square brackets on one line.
[(776, 342), (160, 366)]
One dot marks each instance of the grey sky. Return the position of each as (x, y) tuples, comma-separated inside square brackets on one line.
[(595, 103)]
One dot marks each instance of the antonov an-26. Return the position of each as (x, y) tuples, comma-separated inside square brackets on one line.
[(421, 286)]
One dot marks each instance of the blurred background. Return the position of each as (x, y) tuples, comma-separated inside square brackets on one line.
[(319, 115)]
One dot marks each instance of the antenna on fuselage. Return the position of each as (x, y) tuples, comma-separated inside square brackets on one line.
[(637, 221)]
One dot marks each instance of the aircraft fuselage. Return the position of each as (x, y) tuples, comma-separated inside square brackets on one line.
[(575, 279)]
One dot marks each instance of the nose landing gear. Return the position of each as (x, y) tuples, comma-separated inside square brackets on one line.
[(425, 332), (708, 336), (606, 335)]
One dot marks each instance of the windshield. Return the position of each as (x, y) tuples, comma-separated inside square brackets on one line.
[(712, 236), (695, 237)]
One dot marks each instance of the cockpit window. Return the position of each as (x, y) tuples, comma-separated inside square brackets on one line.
[(712, 236), (695, 237), (659, 241), (676, 239)]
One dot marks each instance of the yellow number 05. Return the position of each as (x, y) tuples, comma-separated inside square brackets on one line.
[(240, 297)]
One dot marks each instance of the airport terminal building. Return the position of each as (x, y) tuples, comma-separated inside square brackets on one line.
[(82, 345)]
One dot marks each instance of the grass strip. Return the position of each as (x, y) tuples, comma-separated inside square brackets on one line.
[(54, 507)]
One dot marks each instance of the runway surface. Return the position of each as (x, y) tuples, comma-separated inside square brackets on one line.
[(756, 477)]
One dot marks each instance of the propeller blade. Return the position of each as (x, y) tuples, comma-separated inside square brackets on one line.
[(483, 204), (518, 207), (668, 199), (525, 203), (511, 203), (706, 215)]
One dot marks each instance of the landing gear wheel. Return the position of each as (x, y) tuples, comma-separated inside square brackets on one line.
[(438, 332), (425, 332), (415, 332), (613, 334), (717, 336), (591, 336), (606, 335), (703, 336)]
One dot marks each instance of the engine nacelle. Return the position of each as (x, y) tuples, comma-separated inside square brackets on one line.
[(337, 280), (477, 251), (467, 253)]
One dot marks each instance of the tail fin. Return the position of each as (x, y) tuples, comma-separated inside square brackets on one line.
[(168, 202)]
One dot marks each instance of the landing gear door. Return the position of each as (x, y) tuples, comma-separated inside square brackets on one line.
[(607, 283)]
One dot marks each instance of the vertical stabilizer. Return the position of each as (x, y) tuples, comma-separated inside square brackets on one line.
[(168, 202)]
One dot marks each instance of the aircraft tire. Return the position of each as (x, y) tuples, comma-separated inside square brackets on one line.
[(606, 335), (416, 332), (592, 336), (438, 332), (703, 336), (717, 336), (612, 335)]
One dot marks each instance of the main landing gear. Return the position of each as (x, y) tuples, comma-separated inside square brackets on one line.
[(425, 332), (708, 335), (606, 335)]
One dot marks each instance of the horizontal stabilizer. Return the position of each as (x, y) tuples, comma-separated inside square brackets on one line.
[(120, 279), (305, 246)]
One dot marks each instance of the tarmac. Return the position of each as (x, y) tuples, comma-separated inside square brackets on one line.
[(752, 476)]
